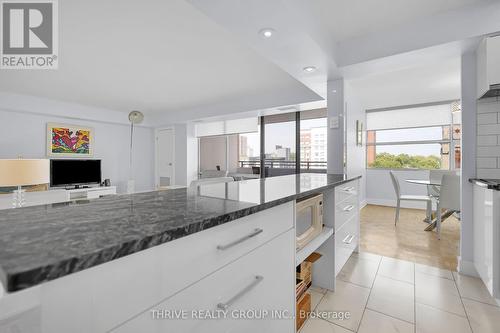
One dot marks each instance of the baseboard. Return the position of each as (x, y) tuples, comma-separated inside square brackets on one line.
[(392, 203), (466, 268), (362, 204)]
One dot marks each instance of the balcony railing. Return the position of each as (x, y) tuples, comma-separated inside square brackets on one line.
[(284, 164)]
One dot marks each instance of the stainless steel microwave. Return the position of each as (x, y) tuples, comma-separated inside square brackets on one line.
[(309, 219)]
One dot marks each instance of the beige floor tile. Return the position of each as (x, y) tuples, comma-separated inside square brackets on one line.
[(368, 256), (394, 298), (473, 288), (359, 271), (318, 289), (432, 320), (438, 292), (436, 271), (397, 269), (347, 297), (315, 325), (483, 318), (375, 322), (315, 298)]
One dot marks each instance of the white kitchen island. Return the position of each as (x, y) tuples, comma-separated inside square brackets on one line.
[(218, 258)]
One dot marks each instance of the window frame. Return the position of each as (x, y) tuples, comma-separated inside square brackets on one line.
[(414, 142)]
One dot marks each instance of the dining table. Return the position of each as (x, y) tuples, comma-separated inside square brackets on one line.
[(436, 183), (423, 182)]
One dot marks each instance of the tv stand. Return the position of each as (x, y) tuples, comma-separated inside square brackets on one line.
[(91, 192), (77, 187)]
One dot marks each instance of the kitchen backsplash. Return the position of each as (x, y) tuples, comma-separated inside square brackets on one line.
[(488, 138)]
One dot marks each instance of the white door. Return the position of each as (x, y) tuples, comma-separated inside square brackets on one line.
[(165, 157)]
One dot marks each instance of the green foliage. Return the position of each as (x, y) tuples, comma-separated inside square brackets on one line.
[(405, 161)]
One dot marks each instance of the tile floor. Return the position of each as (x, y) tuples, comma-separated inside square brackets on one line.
[(387, 295)]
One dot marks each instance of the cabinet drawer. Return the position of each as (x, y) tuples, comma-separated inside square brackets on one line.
[(346, 241), (259, 281), (345, 210), (98, 194), (153, 275), (345, 191)]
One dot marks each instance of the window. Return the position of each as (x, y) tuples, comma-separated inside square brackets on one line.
[(249, 150), (313, 143), (393, 143), (289, 140)]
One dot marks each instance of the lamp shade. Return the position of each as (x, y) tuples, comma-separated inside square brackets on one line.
[(21, 172)]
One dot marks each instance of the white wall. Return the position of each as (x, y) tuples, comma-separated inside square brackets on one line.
[(24, 134), (335, 136), (355, 155), (469, 130), (186, 154)]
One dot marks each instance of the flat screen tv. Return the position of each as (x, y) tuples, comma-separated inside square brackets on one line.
[(74, 173)]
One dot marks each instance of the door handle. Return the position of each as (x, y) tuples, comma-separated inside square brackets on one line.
[(224, 306), (240, 240), (348, 208), (349, 241)]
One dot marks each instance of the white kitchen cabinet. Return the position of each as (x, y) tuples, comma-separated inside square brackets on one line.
[(103, 297), (346, 223), (487, 237), (257, 282), (488, 64)]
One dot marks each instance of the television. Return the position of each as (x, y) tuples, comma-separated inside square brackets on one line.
[(74, 173)]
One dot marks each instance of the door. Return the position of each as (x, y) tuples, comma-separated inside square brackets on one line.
[(165, 157)]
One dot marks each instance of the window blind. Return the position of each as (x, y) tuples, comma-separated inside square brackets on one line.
[(422, 116), (233, 126)]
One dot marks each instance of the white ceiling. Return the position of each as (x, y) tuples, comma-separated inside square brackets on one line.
[(354, 18), (421, 84), (155, 56)]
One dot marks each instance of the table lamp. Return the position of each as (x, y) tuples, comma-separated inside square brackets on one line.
[(22, 172)]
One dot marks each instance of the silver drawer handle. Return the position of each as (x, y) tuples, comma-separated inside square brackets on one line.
[(347, 189), (350, 239), (224, 306), (345, 239), (348, 208), (242, 239)]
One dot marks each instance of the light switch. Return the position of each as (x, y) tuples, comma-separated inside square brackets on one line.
[(334, 122)]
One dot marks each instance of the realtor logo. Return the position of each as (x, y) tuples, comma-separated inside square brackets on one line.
[(29, 34)]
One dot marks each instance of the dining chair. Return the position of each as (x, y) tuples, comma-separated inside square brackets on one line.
[(409, 197), (435, 177), (449, 198)]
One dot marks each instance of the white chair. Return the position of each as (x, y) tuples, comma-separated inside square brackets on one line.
[(435, 177), (213, 174), (449, 198), (215, 180), (408, 197)]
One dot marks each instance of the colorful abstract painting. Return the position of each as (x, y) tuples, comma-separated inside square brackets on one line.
[(69, 140)]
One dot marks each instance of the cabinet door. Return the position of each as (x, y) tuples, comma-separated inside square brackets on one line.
[(493, 58), (346, 241), (483, 222), (260, 281)]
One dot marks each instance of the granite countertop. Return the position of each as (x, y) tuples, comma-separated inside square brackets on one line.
[(42, 243), (491, 184)]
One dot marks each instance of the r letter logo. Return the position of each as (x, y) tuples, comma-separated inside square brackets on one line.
[(29, 34)]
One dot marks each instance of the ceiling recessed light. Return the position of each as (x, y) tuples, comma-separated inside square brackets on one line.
[(309, 69), (267, 32)]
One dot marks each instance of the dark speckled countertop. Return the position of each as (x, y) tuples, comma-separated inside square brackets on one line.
[(42, 243)]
